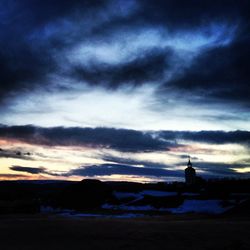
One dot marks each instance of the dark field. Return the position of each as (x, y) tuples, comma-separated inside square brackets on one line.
[(170, 232)]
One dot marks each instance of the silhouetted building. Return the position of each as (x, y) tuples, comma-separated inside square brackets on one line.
[(190, 174)]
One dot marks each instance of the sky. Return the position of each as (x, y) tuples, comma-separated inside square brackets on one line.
[(124, 90)]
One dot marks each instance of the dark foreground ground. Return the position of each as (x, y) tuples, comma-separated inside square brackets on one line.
[(171, 232)]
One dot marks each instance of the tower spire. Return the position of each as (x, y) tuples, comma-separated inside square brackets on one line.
[(190, 174), (189, 162)]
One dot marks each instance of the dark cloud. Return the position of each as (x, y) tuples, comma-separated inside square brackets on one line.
[(30, 170), (104, 169), (219, 75), (30, 42), (146, 67), (218, 169), (111, 169), (21, 69), (133, 162), (181, 15), (211, 137), (209, 169), (118, 139), (17, 154), (123, 140), (184, 156), (12, 176), (35, 170), (193, 12)]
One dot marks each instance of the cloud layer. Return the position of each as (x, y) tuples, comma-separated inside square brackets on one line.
[(186, 47), (110, 138), (119, 139)]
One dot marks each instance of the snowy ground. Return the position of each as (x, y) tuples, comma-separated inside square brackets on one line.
[(201, 206), (190, 204), (129, 208), (155, 193), (74, 214)]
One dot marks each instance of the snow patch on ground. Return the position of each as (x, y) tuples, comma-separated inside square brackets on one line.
[(132, 208), (124, 195), (48, 209), (74, 214), (190, 194), (155, 193), (137, 208), (200, 206), (89, 215), (188, 206)]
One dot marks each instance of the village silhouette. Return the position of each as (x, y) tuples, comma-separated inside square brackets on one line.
[(212, 196)]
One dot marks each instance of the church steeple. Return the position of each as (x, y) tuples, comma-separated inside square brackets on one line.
[(189, 162), (190, 173)]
